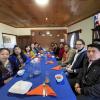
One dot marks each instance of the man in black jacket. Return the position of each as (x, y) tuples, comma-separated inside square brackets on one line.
[(88, 81)]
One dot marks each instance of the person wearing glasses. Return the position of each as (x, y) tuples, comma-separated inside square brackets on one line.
[(77, 63)]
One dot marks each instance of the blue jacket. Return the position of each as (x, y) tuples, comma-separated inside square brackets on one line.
[(15, 62)]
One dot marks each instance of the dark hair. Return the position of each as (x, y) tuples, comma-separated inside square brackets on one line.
[(22, 54), (81, 41), (26, 47), (14, 50), (95, 44), (1, 49), (16, 46), (2, 68)]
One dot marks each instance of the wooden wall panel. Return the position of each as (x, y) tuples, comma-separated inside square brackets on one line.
[(22, 41), (44, 41)]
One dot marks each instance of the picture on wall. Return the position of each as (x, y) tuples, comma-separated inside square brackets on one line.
[(8, 40)]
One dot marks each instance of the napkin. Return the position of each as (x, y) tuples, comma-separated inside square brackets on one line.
[(49, 62), (50, 91), (57, 68), (39, 90), (36, 91)]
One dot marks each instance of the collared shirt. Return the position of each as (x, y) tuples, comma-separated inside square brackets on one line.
[(89, 64)]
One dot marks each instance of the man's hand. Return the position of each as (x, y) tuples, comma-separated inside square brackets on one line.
[(77, 88), (69, 70), (69, 66)]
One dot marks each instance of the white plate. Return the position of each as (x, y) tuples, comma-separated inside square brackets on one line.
[(20, 87)]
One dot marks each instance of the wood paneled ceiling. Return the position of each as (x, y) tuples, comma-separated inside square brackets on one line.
[(60, 13)]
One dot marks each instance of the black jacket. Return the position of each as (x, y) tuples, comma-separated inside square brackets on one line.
[(79, 61), (4, 74), (89, 78)]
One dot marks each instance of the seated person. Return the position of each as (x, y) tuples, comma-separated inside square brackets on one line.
[(6, 70), (56, 49), (41, 51), (36, 47), (68, 55), (18, 58), (28, 52), (61, 52), (77, 63), (51, 47), (87, 84), (39, 47), (33, 49)]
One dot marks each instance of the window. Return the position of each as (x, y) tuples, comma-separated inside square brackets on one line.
[(72, 38)]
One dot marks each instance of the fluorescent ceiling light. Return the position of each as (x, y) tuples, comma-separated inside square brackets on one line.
[(42, 2)]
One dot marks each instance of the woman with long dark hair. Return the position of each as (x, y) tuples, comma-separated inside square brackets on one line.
[(18, 58), (6, 70), (28, 52)]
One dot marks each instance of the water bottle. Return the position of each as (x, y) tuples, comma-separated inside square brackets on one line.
[(37, 69)]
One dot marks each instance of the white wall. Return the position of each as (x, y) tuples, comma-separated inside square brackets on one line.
[(6, 29), (27, 31), (23, 31), (86, 26)]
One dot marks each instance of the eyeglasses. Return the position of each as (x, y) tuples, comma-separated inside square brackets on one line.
[(79, 44)]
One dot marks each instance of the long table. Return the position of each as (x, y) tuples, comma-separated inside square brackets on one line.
[(63, 89)]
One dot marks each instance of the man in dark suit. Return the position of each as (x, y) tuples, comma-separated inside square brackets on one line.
[(87, 84)]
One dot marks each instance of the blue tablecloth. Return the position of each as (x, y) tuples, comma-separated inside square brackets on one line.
[(63, 89)]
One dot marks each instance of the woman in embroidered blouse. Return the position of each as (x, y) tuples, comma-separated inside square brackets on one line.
[(6, 71), (28, 52), (18, 58)]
